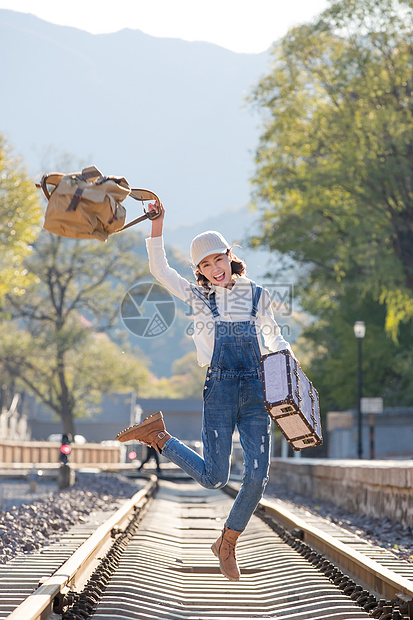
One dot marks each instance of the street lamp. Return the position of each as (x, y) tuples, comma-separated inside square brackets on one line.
[(359, 332)]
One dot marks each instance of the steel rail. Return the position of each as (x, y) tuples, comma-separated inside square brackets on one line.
[(167, 570), (368, 572), (75, 571), (351, 557)]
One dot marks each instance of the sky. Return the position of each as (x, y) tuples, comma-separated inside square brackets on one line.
[(246, 26)]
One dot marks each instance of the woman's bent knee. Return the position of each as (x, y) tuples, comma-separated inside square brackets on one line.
[(209, 483)]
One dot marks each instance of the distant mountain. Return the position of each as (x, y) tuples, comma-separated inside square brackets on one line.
[(168, 114)]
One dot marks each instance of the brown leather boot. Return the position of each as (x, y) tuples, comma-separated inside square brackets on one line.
[(150, 431), (224, 549)]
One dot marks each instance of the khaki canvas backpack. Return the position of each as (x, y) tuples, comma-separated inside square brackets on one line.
[(88, 205)]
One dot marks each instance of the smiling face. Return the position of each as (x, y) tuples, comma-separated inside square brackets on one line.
[(217, 269)]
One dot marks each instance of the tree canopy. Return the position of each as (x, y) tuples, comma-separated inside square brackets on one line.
[(334, 167), (56, 345), (334, 189), (187, 380), (20, 214)]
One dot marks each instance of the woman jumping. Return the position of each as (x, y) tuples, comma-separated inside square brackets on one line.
[(230, 314)]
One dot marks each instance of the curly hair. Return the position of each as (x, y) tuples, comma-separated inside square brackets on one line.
[(238, 268)]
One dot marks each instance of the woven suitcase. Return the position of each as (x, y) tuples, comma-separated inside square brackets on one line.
[(291, 400)]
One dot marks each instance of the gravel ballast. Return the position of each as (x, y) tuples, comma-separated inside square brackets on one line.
[(29, 521), (381, 532)]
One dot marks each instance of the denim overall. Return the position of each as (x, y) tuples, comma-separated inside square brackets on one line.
[(232, 398)]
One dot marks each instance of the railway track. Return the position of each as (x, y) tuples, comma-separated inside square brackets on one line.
[(152, 559)]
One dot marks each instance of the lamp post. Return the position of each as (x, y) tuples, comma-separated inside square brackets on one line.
[(359, 332)]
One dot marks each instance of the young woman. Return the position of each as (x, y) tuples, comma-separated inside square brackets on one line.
[(230, 314)]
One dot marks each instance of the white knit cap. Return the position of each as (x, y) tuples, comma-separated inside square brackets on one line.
[(209, 242)]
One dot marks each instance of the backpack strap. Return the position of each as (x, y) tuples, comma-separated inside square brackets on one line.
[(143, 194), (53, 178)]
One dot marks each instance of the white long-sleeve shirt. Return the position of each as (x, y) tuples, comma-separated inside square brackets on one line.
[(233, 304)]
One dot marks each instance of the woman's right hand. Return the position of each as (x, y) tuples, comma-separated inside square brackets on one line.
[(157, 224), (154, 206)]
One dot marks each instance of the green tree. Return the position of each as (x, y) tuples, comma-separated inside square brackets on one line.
[(187, 380), (54, 347), (327, 349), (93, 365), (334, 167), (20, 214)]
